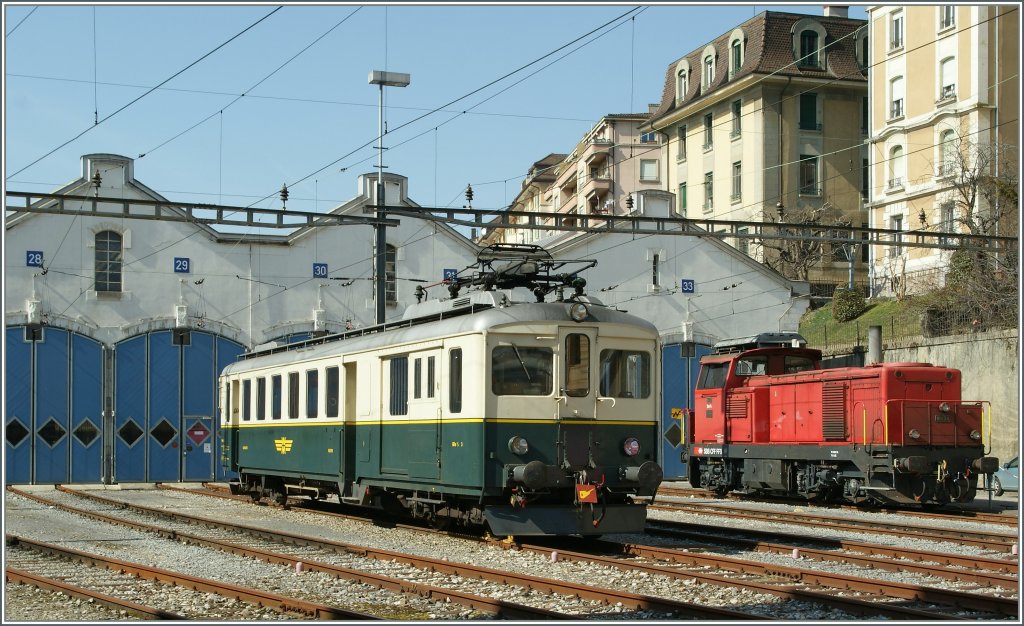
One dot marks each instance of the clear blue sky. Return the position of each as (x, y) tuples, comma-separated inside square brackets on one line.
[(66, 66)]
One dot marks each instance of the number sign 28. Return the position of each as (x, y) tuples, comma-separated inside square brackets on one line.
[(33, 258)]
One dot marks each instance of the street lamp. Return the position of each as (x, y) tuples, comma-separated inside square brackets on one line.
[(384, 79)]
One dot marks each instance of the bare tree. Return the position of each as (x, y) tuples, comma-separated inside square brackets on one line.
[(981, 199), (795, 257)]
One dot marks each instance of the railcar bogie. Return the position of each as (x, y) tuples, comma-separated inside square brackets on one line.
[(527, 417), (770, 420)]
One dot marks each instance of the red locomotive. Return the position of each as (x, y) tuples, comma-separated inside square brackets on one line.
[(767, 419)]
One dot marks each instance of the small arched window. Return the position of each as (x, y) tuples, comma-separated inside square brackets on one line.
[(947, 146), (108, 261), (808, 36), (896, 167)]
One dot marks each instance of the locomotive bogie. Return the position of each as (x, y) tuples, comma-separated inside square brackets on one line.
[(515, 416)]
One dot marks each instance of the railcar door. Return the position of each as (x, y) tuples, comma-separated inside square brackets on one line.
[(576, 392)]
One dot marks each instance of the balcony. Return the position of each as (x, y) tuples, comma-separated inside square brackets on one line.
[(599, 183), (948, 94), (895, 184), (597, 151)]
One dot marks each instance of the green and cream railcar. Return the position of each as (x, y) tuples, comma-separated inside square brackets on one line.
[(532, 418)]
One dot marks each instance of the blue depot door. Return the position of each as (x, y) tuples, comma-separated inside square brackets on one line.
[(54, 418), (166, 404), (680, 367)]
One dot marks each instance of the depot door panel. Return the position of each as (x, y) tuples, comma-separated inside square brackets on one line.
[(18, 426)]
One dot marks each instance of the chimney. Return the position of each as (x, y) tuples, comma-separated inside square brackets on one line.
[(840, 11)]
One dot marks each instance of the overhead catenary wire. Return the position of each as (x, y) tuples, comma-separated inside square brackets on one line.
[(460, 98), (165, 81)]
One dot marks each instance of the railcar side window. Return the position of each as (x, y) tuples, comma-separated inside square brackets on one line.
[(400, 386), (430, 377), (312, 394), (275, 397), (752, 366), (796, 364), (293, 395), (521, 371), (416, 384), (577, 365), (332, 391), (246, 400), (712, 376), (455, 381), (261, 398), (625, 374)]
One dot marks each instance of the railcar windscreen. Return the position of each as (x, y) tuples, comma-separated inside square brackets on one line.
[(521, 370), (625, 374)]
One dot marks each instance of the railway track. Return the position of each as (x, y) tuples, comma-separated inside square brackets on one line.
[(315, 554), (877, 598), (41, 563), (951, 511), (988, 540)]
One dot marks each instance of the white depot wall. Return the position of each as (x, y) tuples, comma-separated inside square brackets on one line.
[(990, 370), (732, 295), (248, 287)]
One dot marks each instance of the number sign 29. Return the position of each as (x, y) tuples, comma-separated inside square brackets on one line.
[(182, 265)]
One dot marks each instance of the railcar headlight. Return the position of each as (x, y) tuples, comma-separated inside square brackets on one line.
[(944, 407), (914, 434), (518, 445), (578, 312), (975, 435), (631, 446)]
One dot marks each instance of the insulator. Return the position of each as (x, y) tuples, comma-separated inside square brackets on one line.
[(469, 193)]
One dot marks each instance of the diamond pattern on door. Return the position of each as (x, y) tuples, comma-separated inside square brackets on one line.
[(130, 432), (52, 432), (16, 432)]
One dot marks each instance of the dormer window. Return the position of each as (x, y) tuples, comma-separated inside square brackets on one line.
[(808, 49), (808, 37), (682, 80), (708, 67), (736, 40)]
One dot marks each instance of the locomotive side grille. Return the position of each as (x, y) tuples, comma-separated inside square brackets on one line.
[(736, 407), (833, 412)]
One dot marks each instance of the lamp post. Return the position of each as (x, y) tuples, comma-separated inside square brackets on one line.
[(383, 79)]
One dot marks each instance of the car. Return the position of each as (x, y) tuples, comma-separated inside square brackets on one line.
[(1006, 478)]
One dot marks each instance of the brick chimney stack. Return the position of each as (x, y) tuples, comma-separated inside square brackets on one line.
[(837, 11)]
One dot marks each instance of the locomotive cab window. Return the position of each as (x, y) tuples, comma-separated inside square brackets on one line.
[(577, 365), (455, 381), (712, 376), (521, 370), (275, 397), (293, 395), (261, 398), (625, 374), (794, 364), (752, 366)]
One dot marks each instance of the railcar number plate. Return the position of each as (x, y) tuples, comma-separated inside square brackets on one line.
[(707, 451)]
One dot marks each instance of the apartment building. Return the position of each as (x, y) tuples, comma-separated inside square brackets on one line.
[(768, 122), (615, 169), (945, 101)]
